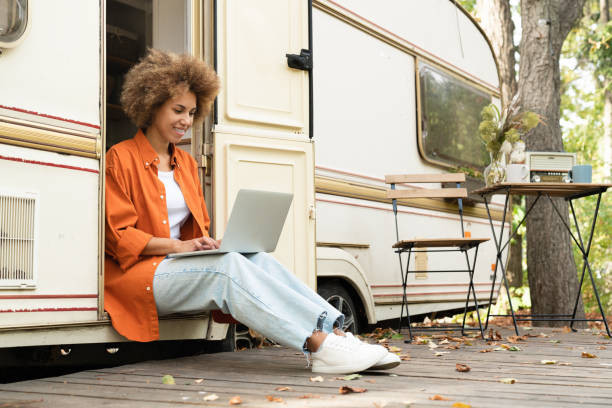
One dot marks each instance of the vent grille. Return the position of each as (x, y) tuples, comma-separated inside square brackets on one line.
[(17, 240)]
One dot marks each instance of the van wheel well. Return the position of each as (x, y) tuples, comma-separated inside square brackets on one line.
[(327, 285)]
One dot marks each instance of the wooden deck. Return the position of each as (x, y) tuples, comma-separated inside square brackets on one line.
[(568, 380)]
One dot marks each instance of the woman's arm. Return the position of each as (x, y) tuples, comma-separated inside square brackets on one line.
[(165, 246)]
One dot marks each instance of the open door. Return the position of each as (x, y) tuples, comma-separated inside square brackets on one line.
[(260, 138)]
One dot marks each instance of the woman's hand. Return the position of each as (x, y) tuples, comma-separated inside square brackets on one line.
[(165, 246), (197, 244)]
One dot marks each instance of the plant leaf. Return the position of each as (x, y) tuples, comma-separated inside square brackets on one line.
[(462, 368), (345, 389), (588, 355), (168, 379), (461, 405), (439, 398), (236, 400)]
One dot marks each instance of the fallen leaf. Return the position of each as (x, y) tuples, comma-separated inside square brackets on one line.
[(394, 349), (272, 398), (345, 389), (211, 397), (404, 357), (548, 362), (516, 339), (507, 380), (554, 341), (486, 350), (305, 396), (316, 379), (441, 353), (383, 341), (283, 389), (588, 355), (494, 335), (439, 398), (168, 379), (432, 345), (445, 341), (543, 335), (566, 329), (352, 377), (565, 364), (397, 336), (504, 346), (370, 381), (235, 400), (602, 348), (514, 348), (452, 347), (462, 368), (461, 405), (199, 381)]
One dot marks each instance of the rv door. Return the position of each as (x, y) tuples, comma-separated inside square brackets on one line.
[(261, 132)]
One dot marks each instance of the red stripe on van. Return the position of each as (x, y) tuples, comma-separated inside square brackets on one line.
[(51, 309), (63, 166)]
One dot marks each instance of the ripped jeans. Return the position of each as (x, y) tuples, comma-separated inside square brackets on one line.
[(254, 288)]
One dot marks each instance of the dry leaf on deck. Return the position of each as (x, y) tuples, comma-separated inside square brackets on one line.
[(432, 345), (461, 405), (272, 398), (283, 389), (548, 362), (494, 335), (439, 398), (507, 380), (316, 379), (211, 397), (565, 364), (516, 339), (305, 396), (445, 341), (588, 355), (235, 400), (199, 381), (370, 381), (566, 329), (602, 348), (462, 368), (394, 349), (168, 380), (350, 377), (345, 389), (441, 353), (486, 350), (404, 357)]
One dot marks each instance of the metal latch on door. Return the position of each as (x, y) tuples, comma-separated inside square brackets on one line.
[(302, 61)]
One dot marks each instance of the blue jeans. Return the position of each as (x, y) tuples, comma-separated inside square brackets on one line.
[(255, 289)]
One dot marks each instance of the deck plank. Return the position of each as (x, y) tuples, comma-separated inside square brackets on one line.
[(254, 374)]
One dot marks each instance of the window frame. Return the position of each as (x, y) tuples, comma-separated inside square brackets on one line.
[(4, 43), (495, 99)]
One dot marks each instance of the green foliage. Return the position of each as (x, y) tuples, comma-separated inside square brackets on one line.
[(469, 5), (589, 46)]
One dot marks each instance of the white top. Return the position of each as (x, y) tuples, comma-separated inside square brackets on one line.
[(175, 201)]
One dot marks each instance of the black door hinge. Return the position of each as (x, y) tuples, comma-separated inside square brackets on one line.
[(302, 61)]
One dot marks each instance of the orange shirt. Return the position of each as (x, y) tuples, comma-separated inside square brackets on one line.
[(136, 210)]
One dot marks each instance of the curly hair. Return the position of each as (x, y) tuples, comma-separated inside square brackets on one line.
[(162, 75)]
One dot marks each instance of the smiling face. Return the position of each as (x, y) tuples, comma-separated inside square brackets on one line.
[(172, 119)]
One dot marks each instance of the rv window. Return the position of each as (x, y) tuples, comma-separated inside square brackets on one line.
[(13, 21), (450, 114)]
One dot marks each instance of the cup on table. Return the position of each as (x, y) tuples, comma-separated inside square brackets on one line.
[(517, 173), (582, 173)]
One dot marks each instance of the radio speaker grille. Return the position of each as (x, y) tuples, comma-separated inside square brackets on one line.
[(17, 240)]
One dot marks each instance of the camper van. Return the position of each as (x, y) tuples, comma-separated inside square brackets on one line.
[(319, 98)]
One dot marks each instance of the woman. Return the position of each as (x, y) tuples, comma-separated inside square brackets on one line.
[(155, 206)]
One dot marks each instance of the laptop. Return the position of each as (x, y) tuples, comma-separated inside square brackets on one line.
[(255, 224)]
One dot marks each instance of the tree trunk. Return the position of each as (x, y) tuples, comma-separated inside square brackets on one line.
[(496, 21), (604, 18), (552, 271)]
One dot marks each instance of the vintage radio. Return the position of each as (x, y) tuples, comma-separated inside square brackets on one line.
[(550, 166)]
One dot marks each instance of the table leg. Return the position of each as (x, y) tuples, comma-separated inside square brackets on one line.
[(404, 276), (473, 291)]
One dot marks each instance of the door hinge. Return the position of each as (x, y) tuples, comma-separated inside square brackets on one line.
[(302, 61)]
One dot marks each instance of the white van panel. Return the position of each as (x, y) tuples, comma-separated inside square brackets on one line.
[(55, 71), (67, 251), (436, 26), (365, 102)]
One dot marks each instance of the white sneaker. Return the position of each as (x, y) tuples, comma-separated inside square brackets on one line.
[(389, 361), (341, 355)]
